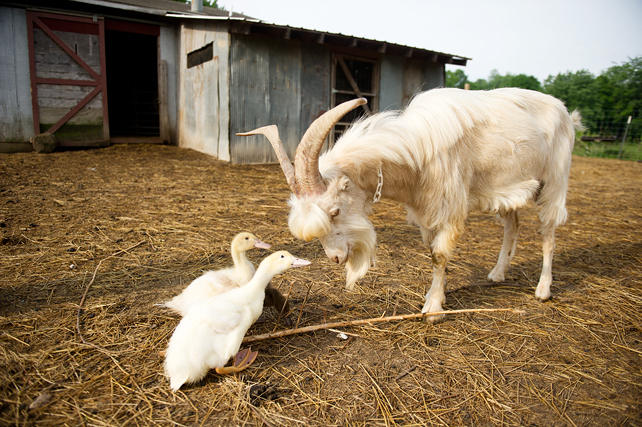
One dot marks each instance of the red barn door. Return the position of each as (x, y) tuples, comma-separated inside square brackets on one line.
[(68, 79)]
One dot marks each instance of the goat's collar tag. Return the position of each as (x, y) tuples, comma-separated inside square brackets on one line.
[(377, 194)]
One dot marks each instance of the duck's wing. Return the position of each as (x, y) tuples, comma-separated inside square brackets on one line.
[(221, 316)]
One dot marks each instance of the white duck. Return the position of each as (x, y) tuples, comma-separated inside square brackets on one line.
[(216, 282), (213, 329)]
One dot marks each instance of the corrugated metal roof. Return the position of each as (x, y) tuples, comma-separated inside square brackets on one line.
[(342, 40), (243, 24), (163, 8)]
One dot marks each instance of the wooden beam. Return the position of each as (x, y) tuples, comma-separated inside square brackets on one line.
[(47, 81), (32, 70), (163, 101), (103, 75), (241, 27), (74, 110), (353, 83)]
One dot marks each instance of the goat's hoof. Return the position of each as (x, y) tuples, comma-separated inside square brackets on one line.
[(433, 306), (543, 291), (542, 298), (433, 320), (496, 276)]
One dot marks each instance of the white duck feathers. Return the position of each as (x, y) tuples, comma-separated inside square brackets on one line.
[(214, 283), (213, 329)]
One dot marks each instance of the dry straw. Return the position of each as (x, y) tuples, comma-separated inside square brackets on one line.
[(72, 259)]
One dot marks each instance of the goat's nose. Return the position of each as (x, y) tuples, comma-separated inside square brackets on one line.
[(336, 259)]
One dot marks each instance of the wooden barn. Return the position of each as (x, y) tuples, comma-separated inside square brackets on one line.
[(97, 72)]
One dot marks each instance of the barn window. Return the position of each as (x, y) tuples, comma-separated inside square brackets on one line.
[(354, 77), (199, 56)]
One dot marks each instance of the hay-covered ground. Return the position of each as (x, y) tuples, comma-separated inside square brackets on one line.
[(156, 217)]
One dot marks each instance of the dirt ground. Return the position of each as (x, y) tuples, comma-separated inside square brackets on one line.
[(132, 225)]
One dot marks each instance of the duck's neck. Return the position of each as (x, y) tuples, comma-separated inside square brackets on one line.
[(261, 278), (239, 257), (243, 267)]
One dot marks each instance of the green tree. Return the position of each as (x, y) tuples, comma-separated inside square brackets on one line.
[(523, 81), (578, 90), (621, 87), (480, 84), (456, 78)]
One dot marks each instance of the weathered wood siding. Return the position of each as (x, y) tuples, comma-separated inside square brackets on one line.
[(391, 84), (168, 53), (315, 84), (203, 106), (419, 76), (265, 89), (16, 117)]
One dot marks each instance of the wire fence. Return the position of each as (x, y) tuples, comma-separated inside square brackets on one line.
[(610, 134)]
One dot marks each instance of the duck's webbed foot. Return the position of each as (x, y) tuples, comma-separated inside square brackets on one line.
[(242, 360)]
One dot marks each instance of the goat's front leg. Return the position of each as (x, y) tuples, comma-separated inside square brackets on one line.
[(511, 223), (441, 248)]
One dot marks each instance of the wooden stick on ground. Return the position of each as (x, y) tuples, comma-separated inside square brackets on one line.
[(303, 330)]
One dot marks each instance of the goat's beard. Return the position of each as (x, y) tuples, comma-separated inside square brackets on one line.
[(307, 221), (363, 241)]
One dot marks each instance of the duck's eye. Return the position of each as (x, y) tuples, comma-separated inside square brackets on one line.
[(282, 256), (334, 213), (247, 238)]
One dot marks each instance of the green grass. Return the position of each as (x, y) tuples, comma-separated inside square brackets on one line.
[(608, 150)]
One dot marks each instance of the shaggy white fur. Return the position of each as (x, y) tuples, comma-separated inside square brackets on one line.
[(448, 153)]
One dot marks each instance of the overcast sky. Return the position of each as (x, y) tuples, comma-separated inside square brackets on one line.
[(533, 37)]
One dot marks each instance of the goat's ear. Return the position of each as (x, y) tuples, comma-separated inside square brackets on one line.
[(343, 183)]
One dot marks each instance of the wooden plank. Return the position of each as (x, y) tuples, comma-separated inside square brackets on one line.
[(200, 104), (103, 76), (163, 101), (32, 72), (15, 101), (71, 82)]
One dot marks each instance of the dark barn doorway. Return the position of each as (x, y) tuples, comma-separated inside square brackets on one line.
[(132, 82)]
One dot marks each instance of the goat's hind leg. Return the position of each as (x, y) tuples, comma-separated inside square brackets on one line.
[(543, 291), (511, 224)]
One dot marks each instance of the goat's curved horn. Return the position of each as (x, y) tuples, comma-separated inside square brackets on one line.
[(272, 134), (306, 159)]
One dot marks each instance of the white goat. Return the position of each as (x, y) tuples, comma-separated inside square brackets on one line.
[(448, 153)]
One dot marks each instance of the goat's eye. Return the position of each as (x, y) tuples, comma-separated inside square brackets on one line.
[(334, 213)]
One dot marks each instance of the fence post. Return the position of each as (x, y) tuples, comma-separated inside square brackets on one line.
[(624, 138)]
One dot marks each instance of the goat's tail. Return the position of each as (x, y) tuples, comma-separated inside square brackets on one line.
[(576, 116), (552, 196)]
